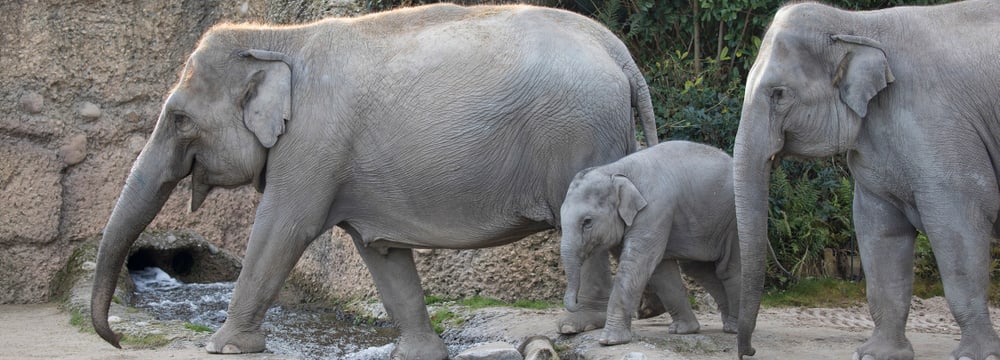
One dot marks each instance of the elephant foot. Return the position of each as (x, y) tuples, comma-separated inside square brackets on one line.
[(615, 336), (225, 341), (580, 321), (875, 349), (684, 327), (978, 345), (423, 347), (730, 324)]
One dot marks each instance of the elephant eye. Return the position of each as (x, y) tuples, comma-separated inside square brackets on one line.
[(781, 97), (182, 122), (777, 93), (587, 223)]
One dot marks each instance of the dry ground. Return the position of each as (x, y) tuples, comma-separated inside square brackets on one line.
[(43, 331)]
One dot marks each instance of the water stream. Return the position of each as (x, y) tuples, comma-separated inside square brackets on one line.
[(306, 332)]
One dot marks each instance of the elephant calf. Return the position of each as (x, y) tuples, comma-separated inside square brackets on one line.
[(672, 203)]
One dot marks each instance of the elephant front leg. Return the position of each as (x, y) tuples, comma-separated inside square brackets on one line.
[(595, 288), (639, 259), (885, 239), (398, 284), (272, 252)]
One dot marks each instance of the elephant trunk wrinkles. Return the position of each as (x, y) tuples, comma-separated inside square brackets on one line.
[(143, 196), (571, 263), (752, 158)]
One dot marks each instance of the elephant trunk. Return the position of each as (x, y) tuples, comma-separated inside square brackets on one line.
[(571, 263), (147, 188), (753, 155)]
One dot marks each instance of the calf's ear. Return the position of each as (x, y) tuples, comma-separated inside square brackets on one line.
[(630, 201)]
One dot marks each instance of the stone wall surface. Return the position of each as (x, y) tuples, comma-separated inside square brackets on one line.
[(81, 89)]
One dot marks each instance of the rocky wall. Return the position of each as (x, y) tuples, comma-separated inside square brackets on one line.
[(81, 85)]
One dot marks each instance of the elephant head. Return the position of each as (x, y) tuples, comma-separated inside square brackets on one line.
[(216, 125), (806, 96), (597, 210)]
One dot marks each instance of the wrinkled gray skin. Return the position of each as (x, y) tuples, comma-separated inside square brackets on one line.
[(666, 204), (431, 127), (912, 96)]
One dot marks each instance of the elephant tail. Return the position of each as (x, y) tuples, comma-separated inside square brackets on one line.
[(642, 103)]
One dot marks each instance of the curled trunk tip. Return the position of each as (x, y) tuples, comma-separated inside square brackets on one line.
[(570, 302), (107, 334)]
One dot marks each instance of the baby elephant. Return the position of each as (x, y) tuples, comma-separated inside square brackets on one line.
[(668, 204)]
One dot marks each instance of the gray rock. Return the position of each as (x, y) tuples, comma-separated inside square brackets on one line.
[(634, 356), (491, 351), (74, 151), (538, 348), (32, 102), (136, 143), (90, 110), (132, 116)]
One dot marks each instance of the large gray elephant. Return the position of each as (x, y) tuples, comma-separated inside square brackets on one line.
[(668, 203), (912, 96), (430, 127)]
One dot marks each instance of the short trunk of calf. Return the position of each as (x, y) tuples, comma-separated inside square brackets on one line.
[(572, 267), (141, 199)]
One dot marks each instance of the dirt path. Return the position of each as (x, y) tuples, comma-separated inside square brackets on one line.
[(43, 331)]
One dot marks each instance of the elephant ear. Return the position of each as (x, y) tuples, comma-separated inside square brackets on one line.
[(630, 201), (862, 72), (267, 100)]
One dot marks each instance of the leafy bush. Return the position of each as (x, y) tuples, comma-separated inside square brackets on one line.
[(810, 210)]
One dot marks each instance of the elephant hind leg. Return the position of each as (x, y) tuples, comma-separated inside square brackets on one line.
[(398, 284), (961, 246), (705, 274), (666, 281)]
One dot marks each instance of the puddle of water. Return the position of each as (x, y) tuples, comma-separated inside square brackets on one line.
[(307, 332)]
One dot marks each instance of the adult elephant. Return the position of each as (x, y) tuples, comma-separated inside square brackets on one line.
[(912, 95), (431, 127)]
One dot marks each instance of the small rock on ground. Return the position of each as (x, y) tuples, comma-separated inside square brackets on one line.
[(538, 348), (491, 351), (32, 102)]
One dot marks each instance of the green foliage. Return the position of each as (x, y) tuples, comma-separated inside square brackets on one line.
[(824, 292), (197, 327), (924, 263), (926, 288), (430, 300), (80, 321), (810, 210), (479, 302), (149, 341), (444, 316)]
